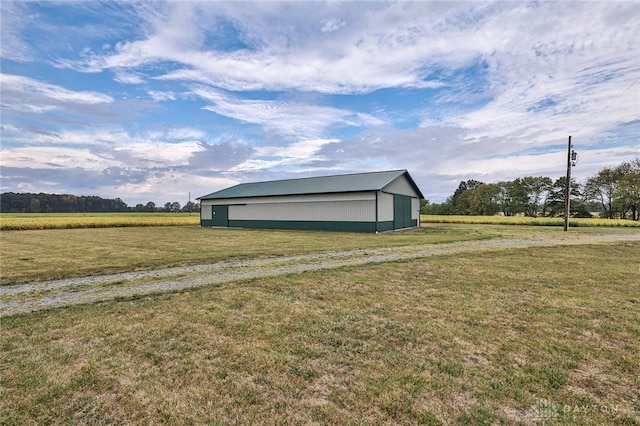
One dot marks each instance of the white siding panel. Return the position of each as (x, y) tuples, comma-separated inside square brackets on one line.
[(415, 209), (205, 211), (347, 196), (402, 186), (385, 207), (348, 211)]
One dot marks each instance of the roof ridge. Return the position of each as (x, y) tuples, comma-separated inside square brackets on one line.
[(324, 176), (348, 182)]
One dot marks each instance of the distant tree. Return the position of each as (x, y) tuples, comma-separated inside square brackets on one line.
[(119, 205), (627, 192), (58, 203), (504, 198), (424, 203), (460, 199), (35, 205), (437, 208), (555, 200), (482, 200), (150, 207), (534, 188), (171, 207), (190, 207), (602, 188)]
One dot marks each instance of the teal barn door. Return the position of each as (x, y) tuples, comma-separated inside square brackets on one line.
[(220, 216), (401, 211)]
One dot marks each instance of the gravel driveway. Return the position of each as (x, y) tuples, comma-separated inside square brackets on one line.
[(37, 296)]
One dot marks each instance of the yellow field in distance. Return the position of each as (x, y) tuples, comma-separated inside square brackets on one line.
[(31, 221), (523, 220)]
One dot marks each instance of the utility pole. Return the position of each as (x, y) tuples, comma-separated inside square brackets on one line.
[(572, 156)]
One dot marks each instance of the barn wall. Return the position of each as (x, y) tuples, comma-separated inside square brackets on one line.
[(334, 212), (345, 211), (401, 186), (415, 210), (205, 211), (385, 207)]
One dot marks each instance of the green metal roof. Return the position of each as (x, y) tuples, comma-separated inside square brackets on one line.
[(358, 182)]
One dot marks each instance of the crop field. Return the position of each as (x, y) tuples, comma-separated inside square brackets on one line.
[(529, 221), (545, 334), (32, 221), (35, 221)]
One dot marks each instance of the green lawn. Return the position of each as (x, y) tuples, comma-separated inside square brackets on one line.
[(521, 336)]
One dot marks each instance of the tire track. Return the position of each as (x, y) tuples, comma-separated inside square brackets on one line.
[(38, 296)]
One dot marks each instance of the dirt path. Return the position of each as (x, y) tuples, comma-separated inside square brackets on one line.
[(32, 297)]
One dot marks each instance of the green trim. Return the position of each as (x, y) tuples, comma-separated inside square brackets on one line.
[(311, 225), (385, 226)]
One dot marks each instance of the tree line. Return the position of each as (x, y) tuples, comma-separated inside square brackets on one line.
[(613, 192), (11, 202)]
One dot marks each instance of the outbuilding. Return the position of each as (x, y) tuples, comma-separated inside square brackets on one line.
[(361, 202)]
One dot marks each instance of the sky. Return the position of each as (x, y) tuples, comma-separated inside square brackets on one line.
[(162, 101)]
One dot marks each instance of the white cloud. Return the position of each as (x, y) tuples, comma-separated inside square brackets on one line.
[(51, 91), (128, 78), (283, 117), (162, 96), (329, 25), (385, 47), (52, 157), (15, 20)]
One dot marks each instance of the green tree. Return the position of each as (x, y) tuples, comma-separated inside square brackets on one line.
[(534, 188), (482, 200), (190, 206), (602, 188), (460, 199), (555, 200), (627, 192)]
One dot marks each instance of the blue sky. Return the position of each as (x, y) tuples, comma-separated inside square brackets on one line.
[(152, 101)]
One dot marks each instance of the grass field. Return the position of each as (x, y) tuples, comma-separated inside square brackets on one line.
[(62, 253), (523, 336), (529, 221), (32, 221)]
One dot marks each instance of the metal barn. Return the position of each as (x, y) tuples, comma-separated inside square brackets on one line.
[(363, 202)]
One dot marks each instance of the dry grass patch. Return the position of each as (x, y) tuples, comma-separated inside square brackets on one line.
[(504, 337)]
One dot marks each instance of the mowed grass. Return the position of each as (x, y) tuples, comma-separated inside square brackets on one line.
[(522, 336), (32, 221), (61, 253)]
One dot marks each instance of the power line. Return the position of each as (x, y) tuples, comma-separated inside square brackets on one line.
[(614, 99)]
